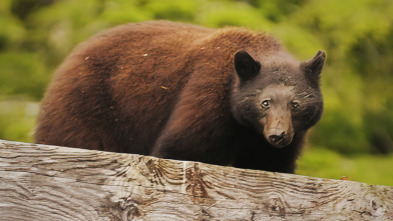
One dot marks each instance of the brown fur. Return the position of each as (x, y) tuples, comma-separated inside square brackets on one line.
[(163, 89)]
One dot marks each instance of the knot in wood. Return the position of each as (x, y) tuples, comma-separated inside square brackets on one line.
[(196, 185), (276, 206)]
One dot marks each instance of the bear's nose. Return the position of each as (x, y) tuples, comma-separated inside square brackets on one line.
[(275, 139)]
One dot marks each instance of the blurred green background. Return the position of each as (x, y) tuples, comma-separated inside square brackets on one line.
[(354, 136)]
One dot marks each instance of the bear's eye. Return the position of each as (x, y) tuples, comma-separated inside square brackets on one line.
[(295, 105), (266, 103)]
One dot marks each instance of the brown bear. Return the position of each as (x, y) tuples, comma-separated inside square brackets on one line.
[(223, 96)]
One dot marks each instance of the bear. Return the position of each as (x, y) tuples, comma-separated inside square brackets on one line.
[(227, 96)]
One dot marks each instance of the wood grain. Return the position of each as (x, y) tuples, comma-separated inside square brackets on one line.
[(39, 182)]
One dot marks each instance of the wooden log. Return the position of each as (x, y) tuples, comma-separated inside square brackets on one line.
[(40, 182)]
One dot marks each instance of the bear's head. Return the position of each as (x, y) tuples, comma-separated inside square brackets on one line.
[(277, 95)]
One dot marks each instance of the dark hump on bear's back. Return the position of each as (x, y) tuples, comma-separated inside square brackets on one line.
[(135, 72), (153, 71)]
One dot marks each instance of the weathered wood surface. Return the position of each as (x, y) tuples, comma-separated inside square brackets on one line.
[(39, 182)]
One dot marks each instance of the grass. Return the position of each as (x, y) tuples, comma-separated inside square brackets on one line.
[(17, 119), (370, 169)]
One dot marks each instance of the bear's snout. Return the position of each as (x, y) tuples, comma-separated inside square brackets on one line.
[(276, 138), (280, 140), (278, 130)]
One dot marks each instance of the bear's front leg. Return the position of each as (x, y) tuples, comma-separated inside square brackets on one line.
[(191, 138), (258, 154), (199, 128)]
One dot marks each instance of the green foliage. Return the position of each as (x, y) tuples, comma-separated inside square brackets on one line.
[(22, 73), (179, 10), (356, 82), (35, 36), (12, 31), (221, 14), (124, 11)]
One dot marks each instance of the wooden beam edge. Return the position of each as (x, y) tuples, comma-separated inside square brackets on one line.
[(129, 185)]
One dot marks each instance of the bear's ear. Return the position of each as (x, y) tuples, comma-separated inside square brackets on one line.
[(246, 67), (313, 67)]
